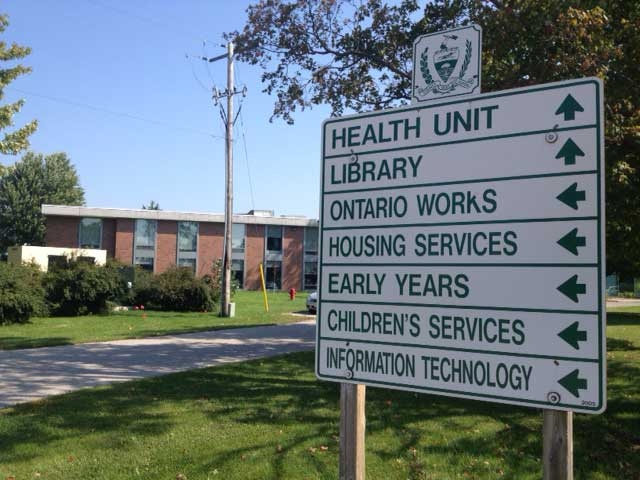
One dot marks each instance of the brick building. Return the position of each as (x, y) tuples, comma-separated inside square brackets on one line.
[(157, 239)]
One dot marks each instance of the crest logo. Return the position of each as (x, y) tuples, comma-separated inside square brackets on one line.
[(448, 64)]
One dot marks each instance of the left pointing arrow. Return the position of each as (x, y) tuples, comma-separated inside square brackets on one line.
[(573, 335), (571, 241), (569, 152), (571, 196), (573, 383), (571, 288)]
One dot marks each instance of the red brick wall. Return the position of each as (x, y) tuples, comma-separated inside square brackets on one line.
[(166, 245), (292, 250), (109, 236), (253, 256), (124, 240), (210, 244), (62, 231)]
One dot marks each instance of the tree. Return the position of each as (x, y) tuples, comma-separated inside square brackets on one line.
[(29, 183), (356, 56), (18, 140), (153, 205)]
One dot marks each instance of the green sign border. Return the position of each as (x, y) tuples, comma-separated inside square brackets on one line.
[(600, 407)]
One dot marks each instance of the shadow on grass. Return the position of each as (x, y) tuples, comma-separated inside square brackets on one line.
[(623, 318), (483, 440), (180, 331), (14, 343)]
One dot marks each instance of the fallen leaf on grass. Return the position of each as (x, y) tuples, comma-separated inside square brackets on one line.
[(312, 449), (279, 449), (181, 476), (324, 448)]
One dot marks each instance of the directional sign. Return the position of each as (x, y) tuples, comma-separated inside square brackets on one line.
[(462, 248)]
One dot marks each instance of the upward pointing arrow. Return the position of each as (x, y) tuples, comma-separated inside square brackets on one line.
[(571, 196), (573, 383), (571, 241), (569, 152), (569, 107), (571, 288)]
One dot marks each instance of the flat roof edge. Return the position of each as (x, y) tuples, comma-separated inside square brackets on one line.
[(102, 212)]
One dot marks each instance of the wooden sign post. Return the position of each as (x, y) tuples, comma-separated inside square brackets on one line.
[(557, 445), (352, 423)]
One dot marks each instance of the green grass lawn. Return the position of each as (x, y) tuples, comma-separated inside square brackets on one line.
[(271, 419), (42, 332)]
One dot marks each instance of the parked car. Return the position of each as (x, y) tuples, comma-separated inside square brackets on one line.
[(312, 302)]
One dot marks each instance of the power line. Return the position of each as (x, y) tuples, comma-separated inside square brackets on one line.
[(246, 155), (111, 112), (149, 20), (246, 158)]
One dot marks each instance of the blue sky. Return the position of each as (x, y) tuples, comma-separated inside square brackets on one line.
[(129, 57)]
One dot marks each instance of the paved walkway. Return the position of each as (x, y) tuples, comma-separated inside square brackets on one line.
[(31, 374), (623, 302)]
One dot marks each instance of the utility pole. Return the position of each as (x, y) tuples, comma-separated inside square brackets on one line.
[(228, 205)]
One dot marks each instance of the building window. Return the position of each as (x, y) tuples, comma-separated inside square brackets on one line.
[(237, 272), (144, 244), (90, 234), (237, 253), (274, 275), (310, 275), (187, 250), (310, 262), (274, 239), (311, 241), (237, 238)]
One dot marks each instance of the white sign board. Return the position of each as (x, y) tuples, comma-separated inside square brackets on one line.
[(462, 248), (447, 64)]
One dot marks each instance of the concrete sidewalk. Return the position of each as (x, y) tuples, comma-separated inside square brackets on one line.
[(31, 374)]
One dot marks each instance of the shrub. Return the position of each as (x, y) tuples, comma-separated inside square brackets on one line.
[(178, 290), (78, 287), (214, 281), (146, 290), (21, 293)]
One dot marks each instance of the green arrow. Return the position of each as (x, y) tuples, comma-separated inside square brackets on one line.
[(571, 288), (572, 335), (569, 152), (571, 241), (571, 196), (573, 383), (569, 107)]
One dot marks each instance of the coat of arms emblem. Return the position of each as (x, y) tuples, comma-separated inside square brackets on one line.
[(447, 64)]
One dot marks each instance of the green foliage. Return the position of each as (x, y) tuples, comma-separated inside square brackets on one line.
[(145, 289), (174, 290), (214, 281), (21, 293), (180, 291), (153, 205), (79, 287), (31, 182), (357, 56), (18, 140)]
